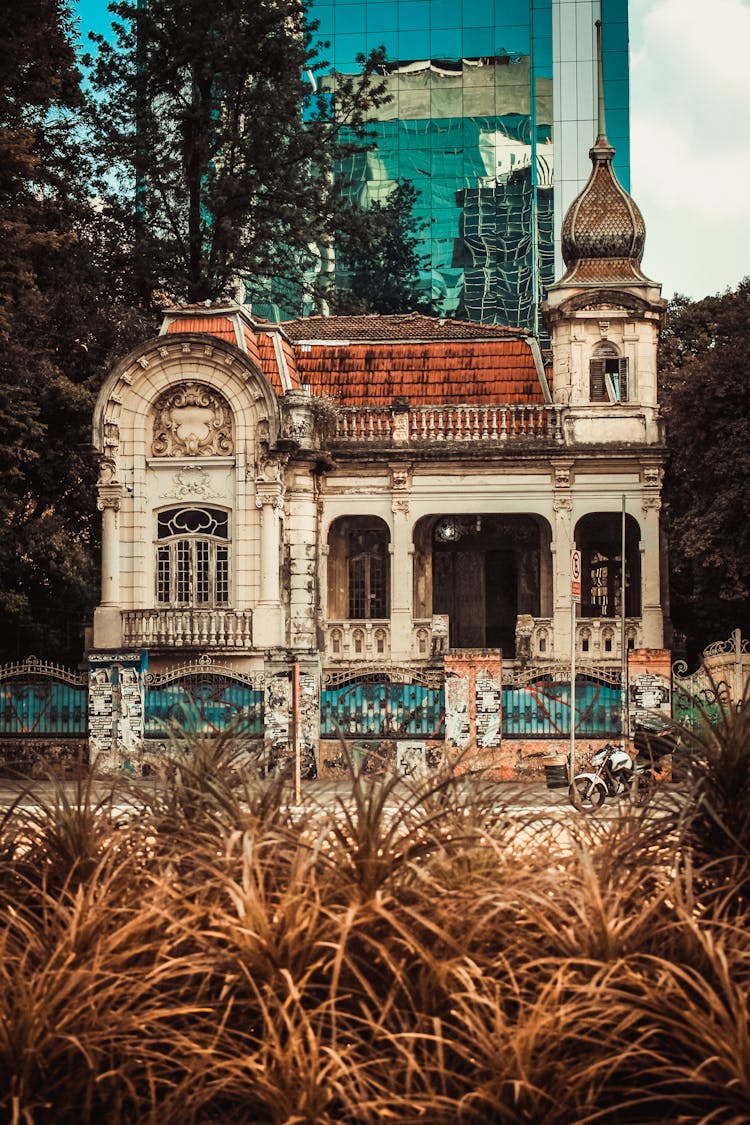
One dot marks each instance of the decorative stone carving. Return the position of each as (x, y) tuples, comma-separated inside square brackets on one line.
[(109, 496), (400, 504), (191, 420), (192, 482), (399, 478), (563, 503), (562, 476), (107, 472), (652, 475), (651, 503), (268, 493)]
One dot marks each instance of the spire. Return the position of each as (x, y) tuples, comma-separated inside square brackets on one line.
[(603, 231), (602, 133)]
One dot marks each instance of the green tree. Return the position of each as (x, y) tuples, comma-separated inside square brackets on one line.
[(705, 395), (379, 259), (61, 320), (215, 146)]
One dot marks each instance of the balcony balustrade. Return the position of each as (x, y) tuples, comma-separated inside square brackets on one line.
[(187, 628), (462, 423)]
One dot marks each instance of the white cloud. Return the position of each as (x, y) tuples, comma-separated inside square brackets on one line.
[(690, 140)]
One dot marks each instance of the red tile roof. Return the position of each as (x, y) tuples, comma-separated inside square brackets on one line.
[(410, 326), (370, 360), (496, 371)]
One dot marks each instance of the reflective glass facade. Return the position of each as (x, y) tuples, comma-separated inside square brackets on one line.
[(492, 114)]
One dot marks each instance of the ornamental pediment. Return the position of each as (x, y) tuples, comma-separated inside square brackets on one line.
[(192, 420)]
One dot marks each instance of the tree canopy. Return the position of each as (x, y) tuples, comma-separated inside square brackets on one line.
[(705, 395), (63, 317), (379, 259), (215, 146)]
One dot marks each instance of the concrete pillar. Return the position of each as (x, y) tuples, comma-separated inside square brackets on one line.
[(652, 634), (108, 616), (267, 618), (402, 563), (562, 545)]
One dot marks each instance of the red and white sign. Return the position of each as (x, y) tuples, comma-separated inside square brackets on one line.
[(575, 575)]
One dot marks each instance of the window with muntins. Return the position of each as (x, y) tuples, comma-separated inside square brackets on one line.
[(192, 557), (608, 375), (368, 575)]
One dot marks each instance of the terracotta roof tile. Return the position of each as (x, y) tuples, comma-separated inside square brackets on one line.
[(410, 326), (268, 363), (220, 326), (439, 372)]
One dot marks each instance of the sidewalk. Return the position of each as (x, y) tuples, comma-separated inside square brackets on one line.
[(323, 793)]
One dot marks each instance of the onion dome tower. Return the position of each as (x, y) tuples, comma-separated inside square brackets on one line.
[(604, 314), (603, 231)]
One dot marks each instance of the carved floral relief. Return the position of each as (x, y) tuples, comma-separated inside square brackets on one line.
[(191, 420)]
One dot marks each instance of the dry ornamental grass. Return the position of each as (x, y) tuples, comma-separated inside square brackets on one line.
[(414, 955)]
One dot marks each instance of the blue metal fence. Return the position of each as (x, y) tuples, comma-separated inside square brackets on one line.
[(380, 705), (42, 700), (540, 708), (203, 700)]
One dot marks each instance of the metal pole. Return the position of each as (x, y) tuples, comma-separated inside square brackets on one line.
[(572, 768), (623, 637), (534, 179)]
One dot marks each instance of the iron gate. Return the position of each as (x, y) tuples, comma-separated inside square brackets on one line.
[(392, 702), (42, 700), (204, 696)]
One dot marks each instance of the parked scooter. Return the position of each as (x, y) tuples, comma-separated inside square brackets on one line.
[(613, 774)]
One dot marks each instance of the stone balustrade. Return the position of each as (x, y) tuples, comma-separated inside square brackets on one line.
[(355, 640), (187, 628), (461, 423)]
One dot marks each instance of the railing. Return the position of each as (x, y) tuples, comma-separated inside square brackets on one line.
[(206, 695), (187, 628), (353, 640), (386, 701), (461, 423)]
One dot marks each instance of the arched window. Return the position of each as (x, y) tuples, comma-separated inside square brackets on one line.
[(358, 569), (192, 557), (608, 375), (599, 536)]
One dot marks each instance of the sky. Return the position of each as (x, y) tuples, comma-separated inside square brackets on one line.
[(689, 138)]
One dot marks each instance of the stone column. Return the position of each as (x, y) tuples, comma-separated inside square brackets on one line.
[(108, 616), (402, 562), (652, 619), (562, 545), (267, 619)]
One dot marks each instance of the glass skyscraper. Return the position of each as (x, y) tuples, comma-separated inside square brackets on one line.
[(493, 112)]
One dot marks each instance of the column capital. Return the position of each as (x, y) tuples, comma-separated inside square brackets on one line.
[(109, 496), (268, 494)]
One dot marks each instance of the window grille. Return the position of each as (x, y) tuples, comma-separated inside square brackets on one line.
[(192, 562)]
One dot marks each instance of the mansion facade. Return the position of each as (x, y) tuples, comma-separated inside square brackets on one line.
[(390, 500)]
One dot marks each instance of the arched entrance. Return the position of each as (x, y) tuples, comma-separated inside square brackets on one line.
[(484, 570)]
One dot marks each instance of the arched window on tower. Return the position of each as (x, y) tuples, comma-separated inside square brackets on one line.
[(608, 375), (192, 557)]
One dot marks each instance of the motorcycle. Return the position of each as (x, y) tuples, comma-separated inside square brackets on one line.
[(613, 774)]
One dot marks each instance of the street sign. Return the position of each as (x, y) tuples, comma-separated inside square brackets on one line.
[(575, 575)]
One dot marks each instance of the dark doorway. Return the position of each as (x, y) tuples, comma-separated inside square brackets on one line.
[(485, 571)]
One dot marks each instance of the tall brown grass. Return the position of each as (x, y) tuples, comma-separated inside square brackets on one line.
[(412, 953)]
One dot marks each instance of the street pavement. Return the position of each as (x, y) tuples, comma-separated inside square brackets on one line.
[(510, 796)]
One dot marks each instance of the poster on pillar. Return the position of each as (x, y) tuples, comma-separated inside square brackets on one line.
[(116, 704)]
